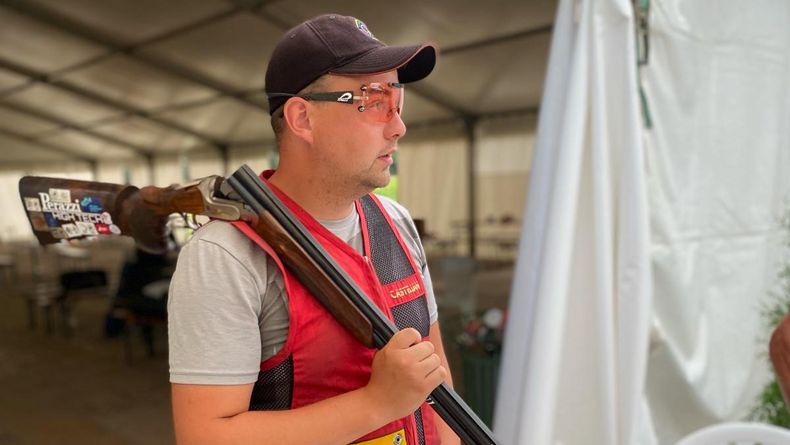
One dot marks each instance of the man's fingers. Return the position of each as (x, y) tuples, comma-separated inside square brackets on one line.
[(430, 364), (403, 339), (421, 350), (436, 377)]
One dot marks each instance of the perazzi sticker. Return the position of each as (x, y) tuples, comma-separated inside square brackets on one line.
[(71, 211)]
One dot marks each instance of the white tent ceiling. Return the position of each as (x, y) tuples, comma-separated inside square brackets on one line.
[(117, 79)]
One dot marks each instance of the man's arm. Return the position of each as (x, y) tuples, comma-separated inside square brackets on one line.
[(447, 436), (404, 372)]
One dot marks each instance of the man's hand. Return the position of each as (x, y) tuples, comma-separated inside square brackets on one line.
[(404, 373)]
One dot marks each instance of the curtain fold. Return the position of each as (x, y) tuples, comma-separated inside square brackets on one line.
[(576, 343)]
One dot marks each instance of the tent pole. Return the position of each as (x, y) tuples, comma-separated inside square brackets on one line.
[(470, 122)]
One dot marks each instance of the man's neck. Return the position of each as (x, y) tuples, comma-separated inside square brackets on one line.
[(320, 201)]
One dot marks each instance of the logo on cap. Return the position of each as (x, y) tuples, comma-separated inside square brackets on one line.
[(364, 28)]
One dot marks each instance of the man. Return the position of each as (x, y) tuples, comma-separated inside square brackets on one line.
[(254, 358)]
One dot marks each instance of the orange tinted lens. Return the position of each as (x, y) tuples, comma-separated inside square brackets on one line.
[(383, 102)]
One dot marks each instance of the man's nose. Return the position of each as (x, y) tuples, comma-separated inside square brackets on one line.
[(395, 128)]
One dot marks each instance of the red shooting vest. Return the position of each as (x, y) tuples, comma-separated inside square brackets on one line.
[(320, 359)]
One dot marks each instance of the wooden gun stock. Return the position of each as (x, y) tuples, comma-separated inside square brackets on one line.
[(164, 201), (69, 209)]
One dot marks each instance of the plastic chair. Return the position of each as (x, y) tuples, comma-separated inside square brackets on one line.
[(738, 433)]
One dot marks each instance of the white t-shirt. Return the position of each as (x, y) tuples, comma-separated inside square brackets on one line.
[(227, 308)]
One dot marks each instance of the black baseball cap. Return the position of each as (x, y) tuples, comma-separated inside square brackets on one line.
[(338, 44)]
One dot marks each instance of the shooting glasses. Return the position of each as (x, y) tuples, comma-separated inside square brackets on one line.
[(379, 102)]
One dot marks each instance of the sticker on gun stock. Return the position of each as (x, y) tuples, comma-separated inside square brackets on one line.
[(91, 204), (38, 221), (60, 195), (51, 220), (86, 228), (72, 231), (32, 205), (86, 210)]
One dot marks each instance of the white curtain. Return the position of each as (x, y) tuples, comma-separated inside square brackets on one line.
[(575, 347), (433, 182), (718, 85), (503, 160)]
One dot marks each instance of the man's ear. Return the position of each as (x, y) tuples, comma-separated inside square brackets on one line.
[(296, 114)]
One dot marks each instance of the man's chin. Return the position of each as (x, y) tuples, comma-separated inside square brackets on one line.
[(377, 183)]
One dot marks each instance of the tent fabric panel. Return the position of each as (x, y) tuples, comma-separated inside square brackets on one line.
[(510, 78), (23, 123), (224, 119), (137, 20), (38, 46), (134, 83), (87, 145), (62, 104), (233, 51), (148, 134)]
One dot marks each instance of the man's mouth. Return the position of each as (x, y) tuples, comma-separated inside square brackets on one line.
[(386, 158)]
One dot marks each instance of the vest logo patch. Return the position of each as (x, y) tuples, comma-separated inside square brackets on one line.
[(405, 291)]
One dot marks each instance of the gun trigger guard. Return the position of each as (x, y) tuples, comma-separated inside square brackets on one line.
[(190, 221)]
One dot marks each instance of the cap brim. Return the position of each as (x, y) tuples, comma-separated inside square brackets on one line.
[(412, 62)]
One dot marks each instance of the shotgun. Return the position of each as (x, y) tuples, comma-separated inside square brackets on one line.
[(61, 209)]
